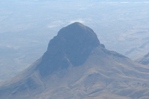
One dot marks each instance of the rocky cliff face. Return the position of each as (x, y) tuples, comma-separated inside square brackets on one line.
[(71, 46)]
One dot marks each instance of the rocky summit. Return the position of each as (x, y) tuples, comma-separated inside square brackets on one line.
[(71, 46), (77, 66)]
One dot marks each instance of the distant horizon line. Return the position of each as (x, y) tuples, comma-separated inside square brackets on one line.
[(124, 2)]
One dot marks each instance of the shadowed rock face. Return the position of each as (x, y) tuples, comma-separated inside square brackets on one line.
[(71, 46), (144, 60)]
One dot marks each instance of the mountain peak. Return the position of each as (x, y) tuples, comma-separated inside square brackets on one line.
[(78, 29), (77, 25), (75, 65), (71, 46)]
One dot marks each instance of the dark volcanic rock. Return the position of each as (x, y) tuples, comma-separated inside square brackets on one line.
[(71, 46)]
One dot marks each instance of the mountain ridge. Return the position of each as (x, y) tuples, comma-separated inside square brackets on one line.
[(144, 60), (101, 74)]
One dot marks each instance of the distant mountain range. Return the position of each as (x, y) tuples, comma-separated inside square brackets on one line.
[(77, 66)]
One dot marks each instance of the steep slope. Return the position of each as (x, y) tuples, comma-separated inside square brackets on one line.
[(77, 66), (144, 60)]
